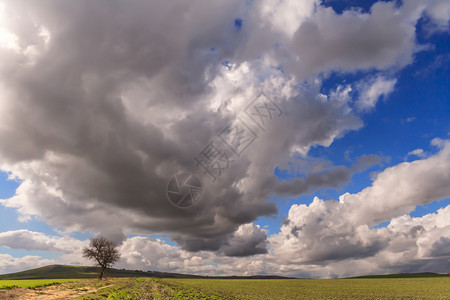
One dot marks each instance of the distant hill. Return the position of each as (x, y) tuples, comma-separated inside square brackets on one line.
[(404, 275), (61, 271)]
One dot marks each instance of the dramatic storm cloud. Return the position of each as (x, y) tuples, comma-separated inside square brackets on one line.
[(102, 102), (108, 113)]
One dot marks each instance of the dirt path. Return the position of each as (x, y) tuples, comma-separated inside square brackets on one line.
[(13, 294), (132, 288), (57, 291)]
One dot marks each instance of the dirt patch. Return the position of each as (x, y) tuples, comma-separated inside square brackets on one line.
[(57, 291), (14, 293)]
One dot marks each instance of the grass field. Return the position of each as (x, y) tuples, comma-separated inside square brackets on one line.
[(392, 288), (30, 284), (156, 288)]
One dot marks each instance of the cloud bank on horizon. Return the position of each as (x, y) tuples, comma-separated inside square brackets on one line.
[(102, 102)]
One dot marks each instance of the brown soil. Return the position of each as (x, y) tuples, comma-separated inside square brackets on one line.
[(57, 291)]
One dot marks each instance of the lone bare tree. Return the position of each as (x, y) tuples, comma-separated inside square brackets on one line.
[(103, 251)]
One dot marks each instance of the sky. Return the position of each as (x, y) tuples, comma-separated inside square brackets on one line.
[(298, 138)]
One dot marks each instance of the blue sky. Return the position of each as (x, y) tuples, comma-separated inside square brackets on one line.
[(95, 142)]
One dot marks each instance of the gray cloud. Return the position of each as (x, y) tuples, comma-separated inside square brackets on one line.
[(103, 102), (351, 41), (329, 177), (111, 108), (248, 240)]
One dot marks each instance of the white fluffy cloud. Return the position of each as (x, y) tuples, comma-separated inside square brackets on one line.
[(331, 232), (439, 12), (10, 264), (418, 152), (29, 240), (372, 90)]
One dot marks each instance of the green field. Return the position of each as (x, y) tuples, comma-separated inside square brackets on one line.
[(409, 287), (392, 288), (30, 284), (174, 288)]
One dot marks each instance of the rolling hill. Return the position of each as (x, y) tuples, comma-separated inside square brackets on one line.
[(72, 272), (404, 275), (62, 271)]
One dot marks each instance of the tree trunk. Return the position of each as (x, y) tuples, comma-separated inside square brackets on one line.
[(101, 273)]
